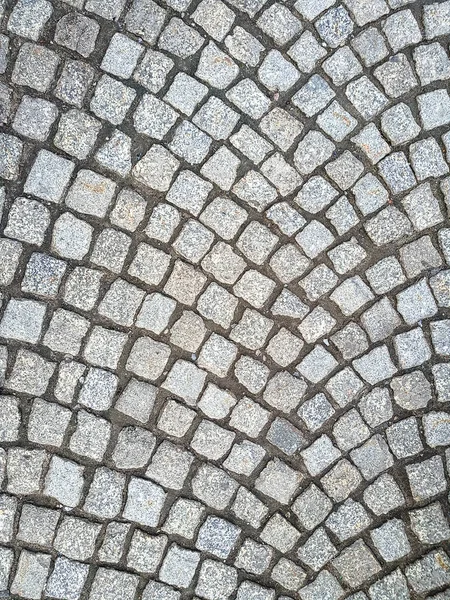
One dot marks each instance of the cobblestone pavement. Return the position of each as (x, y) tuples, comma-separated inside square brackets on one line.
[(225, 292)]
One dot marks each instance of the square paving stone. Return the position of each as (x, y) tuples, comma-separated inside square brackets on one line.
[(284, 391), (430, 524), (64, 481), (404, 438), (178, 567), (388, 225), (82, 288), (23, 320), (431, 63), (253, 557), (371, 46), (335, 26), (391, 541), (152, 70), (74, 82), (367, 99), (188, 331), (396, 76), (77, 133), (169, 465), (306, 52), (30, 374), (217, 536), (31, 574), (342, 66), (66, 332), (67, 579), (216, 68), (104, 347), (98, 389), (133, 448), (216, 580), (37, 525), (276, 73), (399, 124), (49, 176), (77, 32), (91, 193), (145, 551), (279, 533), (434, 108), (112, 100), (34, 118), (76, 538), (356, 564), (289, 575), (214, 17), (43, 275), (216, 118), (394, 583), (324, 586), (138, 508), (115, 154), (313, 96), (416, 302), (426, 478), (212, 441), (108, 583), (185, 283), (213, 486), (148, 358), (349, 520), (370, 141), (411, 391), (401, 30), (317, 551), (383, 495), (249, 417), (184, 518), (89, 428), (179, 39), (279, 23), (104, 499), (427, 160), (244, 46), (320, 455), (430, 572), (312, 151), (28, 20), (190, 143), (373, 457), (121, 56), (35, 67), (24, 470), (278, 481), (185, 380), (121, 302), (341, 481)]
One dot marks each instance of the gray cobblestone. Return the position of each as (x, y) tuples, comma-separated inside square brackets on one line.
[(223, 299)]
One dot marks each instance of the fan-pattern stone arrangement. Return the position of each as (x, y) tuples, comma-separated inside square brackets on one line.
[(225, 292)]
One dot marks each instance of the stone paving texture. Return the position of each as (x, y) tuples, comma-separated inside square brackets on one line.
[(224, 299)]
